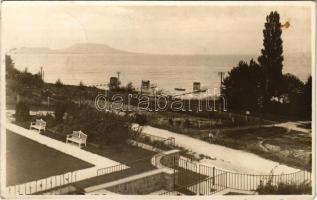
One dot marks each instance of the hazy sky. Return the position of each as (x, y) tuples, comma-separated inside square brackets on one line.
[(153, 29)]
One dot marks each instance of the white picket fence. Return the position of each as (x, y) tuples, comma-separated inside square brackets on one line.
[(41, 184)]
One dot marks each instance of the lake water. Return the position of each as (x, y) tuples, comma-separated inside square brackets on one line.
[(167, 72)]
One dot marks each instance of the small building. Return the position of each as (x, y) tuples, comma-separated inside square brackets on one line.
[(114, 83), (196, 86), (145, 86)]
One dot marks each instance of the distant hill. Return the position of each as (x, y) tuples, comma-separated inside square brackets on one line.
[(108, 55), (30, 50), (80, 48), (90, 48)]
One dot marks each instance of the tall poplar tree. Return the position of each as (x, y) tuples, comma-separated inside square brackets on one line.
[(271, 59)]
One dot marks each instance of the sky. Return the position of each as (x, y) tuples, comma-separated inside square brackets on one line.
[(161, 29)]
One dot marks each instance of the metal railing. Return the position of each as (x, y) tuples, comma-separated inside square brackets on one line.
[(155, 141), (111, 169), (198, 179), (128, 168)]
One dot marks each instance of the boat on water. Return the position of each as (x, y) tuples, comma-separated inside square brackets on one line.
[(179, 89)]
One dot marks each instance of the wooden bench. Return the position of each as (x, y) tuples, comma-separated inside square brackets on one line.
[(39, 125), (77, 137)]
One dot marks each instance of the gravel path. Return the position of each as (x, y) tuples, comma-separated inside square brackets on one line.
[(226, 158)]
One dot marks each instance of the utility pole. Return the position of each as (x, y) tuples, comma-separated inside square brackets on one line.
[(118, 73), (118, 83), (42, 73), (221, 74)]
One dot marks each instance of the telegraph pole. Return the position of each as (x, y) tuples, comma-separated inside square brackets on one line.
[(41, 72), (118, 75), (221, 74)]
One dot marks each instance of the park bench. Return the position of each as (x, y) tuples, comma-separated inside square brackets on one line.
[(39, 125), (77, 137)]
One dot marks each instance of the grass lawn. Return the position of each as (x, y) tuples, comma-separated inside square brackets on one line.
[(139, 160), (28, 160), (122, 153)]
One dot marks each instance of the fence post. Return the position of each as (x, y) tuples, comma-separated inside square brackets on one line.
[(213, 175), (198, 172), (226, 180), (174, 174)]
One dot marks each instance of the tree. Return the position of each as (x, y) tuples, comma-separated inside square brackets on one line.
[(244, 85), (22, 112), (292, 95), (307, 97), (271, 59), (11, 71), (141, 120), (129, 87), (59, 83), (59, 111), (82, 86)]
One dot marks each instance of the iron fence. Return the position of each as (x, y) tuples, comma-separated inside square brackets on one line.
[(111, 169), (129, 168), (155, 141), (197, 179)]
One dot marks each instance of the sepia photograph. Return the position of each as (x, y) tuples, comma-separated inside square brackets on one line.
[(168, 99)]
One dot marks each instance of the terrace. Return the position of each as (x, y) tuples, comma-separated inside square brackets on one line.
[(28, 160)]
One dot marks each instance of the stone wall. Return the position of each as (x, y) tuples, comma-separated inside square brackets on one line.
[(147, 182), (143, 185), (170, 158)]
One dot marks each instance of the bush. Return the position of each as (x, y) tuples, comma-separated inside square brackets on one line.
[(11, 71), (141, 119), (117, 133), (22, 112), (59, 110), (101, 128), (147, 140), (284, 188)]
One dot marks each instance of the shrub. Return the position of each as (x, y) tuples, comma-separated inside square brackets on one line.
[(11, 71), (134, 135), (147, 139), (59, 110), (118, 133), (59, 83), (284, 188), (157, 143), (22, 112), (141, 119)]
